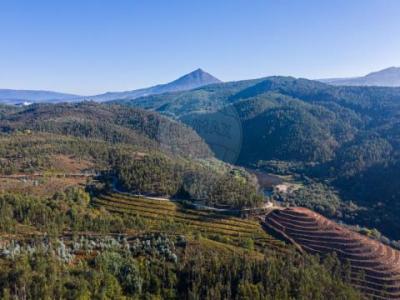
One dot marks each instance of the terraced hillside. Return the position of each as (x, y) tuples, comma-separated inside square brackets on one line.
[(168, 216), (375, 267)]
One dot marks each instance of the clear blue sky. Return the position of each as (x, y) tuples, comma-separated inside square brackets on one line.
[(92, 46)]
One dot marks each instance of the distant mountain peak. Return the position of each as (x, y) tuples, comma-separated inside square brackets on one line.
[(387, 71), (195, 79), (198, 71), (387, 77), (393, 68)]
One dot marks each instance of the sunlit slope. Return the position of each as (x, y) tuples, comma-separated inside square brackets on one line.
[(169, 216), (375, 267)]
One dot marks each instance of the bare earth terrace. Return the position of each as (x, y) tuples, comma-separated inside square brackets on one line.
[(375, 267)]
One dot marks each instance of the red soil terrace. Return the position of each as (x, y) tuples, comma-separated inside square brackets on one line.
[(375, 267)]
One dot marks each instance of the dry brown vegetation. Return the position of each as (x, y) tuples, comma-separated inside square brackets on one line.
[(70, 164), (43, 186), (375, 267)]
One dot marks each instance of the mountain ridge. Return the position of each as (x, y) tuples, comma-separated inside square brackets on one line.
[(12, 96), (389, 77), (195, 79)]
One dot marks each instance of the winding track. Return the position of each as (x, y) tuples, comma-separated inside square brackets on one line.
[(375, 267)]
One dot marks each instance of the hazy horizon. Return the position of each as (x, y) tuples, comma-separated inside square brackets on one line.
[(144, 87), (90, 48)]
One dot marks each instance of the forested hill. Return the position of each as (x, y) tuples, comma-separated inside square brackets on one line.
[(349, 136), (110, 123), (297, 119), (212, 98), (208, 98)]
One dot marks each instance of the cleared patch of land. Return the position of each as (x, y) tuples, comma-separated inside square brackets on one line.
[(266, 180), (69, 164), (41, 186)]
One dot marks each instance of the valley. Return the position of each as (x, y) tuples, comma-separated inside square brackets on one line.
[(342, 138), (200, 150), (84, 185)]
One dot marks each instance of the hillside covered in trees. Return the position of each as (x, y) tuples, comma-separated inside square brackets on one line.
[(71, 227), (108, 123), (109, 255), (347, 136), (120, 202), (139, 151)]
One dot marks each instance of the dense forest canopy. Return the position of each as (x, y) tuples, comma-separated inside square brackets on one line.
[(208, 182), (172, 260), (141, 152), (109, 123), (347, 136), (85, 188)]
